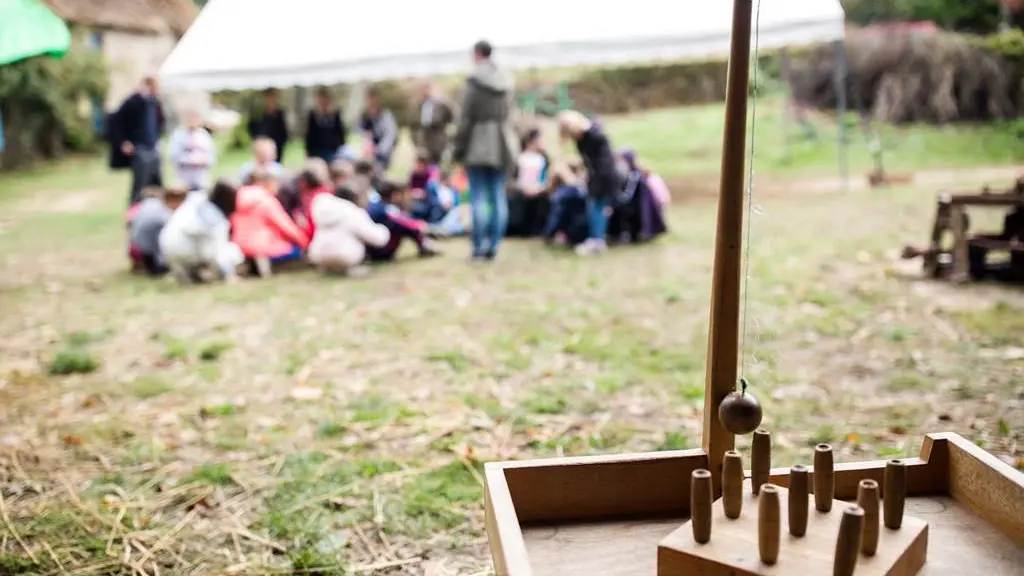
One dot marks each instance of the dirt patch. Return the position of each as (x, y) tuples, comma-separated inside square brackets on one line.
[(61, 202), (971, 180)]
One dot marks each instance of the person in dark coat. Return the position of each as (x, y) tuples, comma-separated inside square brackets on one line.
[(325, 129), (270, 123), (433, 116), (381, 129), (604, 180), (135, 130), (487, 147)]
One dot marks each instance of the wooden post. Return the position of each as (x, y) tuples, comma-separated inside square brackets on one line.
[(724, 325), (961, 259)]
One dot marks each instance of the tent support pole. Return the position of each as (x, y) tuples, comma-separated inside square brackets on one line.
[(724, 325), (841, 106)]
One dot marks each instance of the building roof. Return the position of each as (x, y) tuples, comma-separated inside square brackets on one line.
[(147, 16)]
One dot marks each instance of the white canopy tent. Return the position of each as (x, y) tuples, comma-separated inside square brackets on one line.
[(251, 44)]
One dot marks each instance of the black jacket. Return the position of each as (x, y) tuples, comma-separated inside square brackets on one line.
[(328, 135), (603, 178), (270, 125), (128, 124)]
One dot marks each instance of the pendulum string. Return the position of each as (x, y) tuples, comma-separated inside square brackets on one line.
[(750, 198)]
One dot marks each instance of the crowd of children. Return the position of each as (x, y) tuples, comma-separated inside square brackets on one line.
[(341, 215)]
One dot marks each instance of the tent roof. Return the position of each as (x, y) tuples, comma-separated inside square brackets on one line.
[(246, 44)]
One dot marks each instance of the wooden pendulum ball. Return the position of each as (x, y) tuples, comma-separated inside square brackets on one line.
[(732, 484), (894, 493), (701, 498), (848, 542), (867, 499), (824, 478), (799, 492), (760, 460), (769, 525), (740, 412)]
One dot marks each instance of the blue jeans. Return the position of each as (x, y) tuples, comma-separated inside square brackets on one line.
[(293, 255), (597, 221), (489, 207)]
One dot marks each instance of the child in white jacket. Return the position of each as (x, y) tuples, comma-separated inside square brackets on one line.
[(343, 230), (196, 241)]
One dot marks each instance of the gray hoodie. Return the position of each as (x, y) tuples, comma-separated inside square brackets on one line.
[(486, 137)]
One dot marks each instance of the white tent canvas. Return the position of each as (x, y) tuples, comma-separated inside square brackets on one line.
[(248, 44)]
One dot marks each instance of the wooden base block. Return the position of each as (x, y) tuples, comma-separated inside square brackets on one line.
[(733, 550)]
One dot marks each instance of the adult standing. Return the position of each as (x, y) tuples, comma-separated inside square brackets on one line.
[(325, 129), (604, 180), (486, 145), (135, 131), (433, 117), (381, 129), (269, 122)]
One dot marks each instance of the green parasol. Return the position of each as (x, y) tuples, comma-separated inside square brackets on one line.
[(29, 28)]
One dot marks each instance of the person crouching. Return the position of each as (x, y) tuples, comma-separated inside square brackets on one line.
[(343, 231), (147, 220), (391, 211), (196, 242), (262, 229)]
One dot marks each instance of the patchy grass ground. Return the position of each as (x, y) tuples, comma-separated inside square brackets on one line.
[(312, 425)]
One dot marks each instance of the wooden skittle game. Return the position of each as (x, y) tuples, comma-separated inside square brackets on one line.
[(954, 510)]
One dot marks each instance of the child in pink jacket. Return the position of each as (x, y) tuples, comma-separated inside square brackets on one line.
[(262, 229)]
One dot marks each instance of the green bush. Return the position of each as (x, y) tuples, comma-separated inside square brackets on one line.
[(42, 105), (41, 100)]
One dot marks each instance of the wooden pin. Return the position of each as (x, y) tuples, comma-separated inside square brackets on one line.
[(824, 478), (799, 493), (867, 499), (894, 493), (768, 524), (701, 497), (760, 459), (848, 542), (732, 484)]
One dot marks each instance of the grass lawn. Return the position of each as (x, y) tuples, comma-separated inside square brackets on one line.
[(312, 425)]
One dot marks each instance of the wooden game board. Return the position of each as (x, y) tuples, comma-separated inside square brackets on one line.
[(733, 549), (607, 514)]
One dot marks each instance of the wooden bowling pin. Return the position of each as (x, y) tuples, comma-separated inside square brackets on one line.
[(848, 542), (799, 492), (760, 459), (732, 484), (768, 524), (894, 493), (867, 499), (701, 497), (824, 478)]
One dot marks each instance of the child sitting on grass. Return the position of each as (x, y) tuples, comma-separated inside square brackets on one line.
[(343, 231), (146, 219), (447, 217), (262, 229), (264, 153), (567, 221), (366, 181), (390, 211), (196, 242)]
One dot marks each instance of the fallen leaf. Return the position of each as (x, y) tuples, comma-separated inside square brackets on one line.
[(306, 393), (72, 440), (901, 430), (853, 438), (945, 418)]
